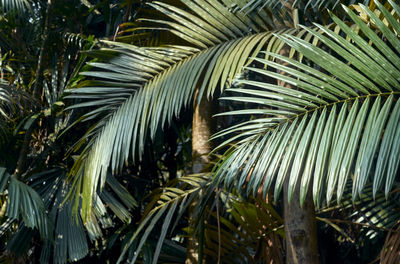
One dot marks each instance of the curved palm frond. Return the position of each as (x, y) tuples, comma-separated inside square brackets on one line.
[(373, 215), (70, 238), (338, 117), (135, 90), (314, 5), (378, 213), (7, 103), (249, 233), (26, 204), (15, 5), (166, 204)]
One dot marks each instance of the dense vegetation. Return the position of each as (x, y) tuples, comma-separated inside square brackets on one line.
[(190, 131)]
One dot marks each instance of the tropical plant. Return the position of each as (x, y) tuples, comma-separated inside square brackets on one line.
[(319, 104), (39, 59), (335, 121), (209, 49)]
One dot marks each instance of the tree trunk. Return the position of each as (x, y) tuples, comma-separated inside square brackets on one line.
[(300, 228), (202, 129), (300, 225)]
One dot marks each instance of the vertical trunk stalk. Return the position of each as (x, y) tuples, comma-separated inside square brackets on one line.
[(300, 228), (300, 225), (202, 128)]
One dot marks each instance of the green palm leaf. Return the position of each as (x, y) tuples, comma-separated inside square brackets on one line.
[(305, 6), (370, 212), (70, 239), (135, 90), (248, 227), (333, 120), (165, 204), (15, 5), (26, 204), (7, 102)]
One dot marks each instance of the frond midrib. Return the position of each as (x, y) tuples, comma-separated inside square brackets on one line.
[(331, 104)]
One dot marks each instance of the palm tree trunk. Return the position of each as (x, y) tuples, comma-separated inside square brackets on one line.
[(202, 129), (300, 229), (300, 224)]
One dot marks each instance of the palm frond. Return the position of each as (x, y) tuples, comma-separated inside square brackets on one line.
[(378, 213), (20, 242), (26, 204), (372, 215), (171, 202), (249, 234), (136, 90), (19, 6), (4, 177), (303, 6), (70, 238), (7, 104), (339, 115)]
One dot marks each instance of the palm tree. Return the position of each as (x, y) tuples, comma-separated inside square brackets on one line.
[(352, 133), (165, 82), (212, 36), (315, 120), (164, 85)]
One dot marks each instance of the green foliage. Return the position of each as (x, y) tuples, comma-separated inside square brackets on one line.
[(323, 102), (151, 85), (335, 121), (25, 204), (164, 203), (18, 5), (249, 233)]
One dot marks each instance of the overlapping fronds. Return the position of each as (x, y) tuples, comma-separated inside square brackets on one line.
[(248, 234), (69, 240), (136, 90), (336, 115), (304, 5), (371, 215), (171, 202), (374, 214)]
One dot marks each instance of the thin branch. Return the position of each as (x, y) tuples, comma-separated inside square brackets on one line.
[(45, 37), (38, 81)]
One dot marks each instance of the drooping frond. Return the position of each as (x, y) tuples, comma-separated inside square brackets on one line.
[(25, 204), (15, 5), (336, 116), (136, 90), (372, 215), (171, 202), (69, 236), (7, 104)]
